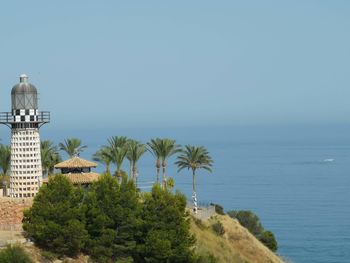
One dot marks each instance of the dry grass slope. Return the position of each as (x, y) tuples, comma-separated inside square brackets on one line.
[(237, 245)]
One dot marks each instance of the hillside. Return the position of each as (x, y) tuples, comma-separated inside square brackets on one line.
[(236, 245)]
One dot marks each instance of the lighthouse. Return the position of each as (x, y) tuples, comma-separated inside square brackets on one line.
[(25, 121)]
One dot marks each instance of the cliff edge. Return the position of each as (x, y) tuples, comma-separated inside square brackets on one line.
[(236, 245)]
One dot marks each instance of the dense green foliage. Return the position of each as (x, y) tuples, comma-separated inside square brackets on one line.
[(110, 221), (14, 254), (56, 219), (165, 229), (252, 222), (269, 240)]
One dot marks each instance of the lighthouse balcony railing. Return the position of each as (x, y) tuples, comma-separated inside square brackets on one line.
[(8, 118)]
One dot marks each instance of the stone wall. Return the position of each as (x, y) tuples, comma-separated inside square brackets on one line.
[(11, 213)]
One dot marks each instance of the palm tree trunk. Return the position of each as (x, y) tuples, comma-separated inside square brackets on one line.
[(164, 175), (158, 170), (134, 171), (108, 171), (194, 195), (131, 175), (119, 175)]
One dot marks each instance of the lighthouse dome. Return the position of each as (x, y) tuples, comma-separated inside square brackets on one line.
[(24, 95)]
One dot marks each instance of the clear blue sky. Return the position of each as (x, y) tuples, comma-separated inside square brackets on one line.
[(178, 63)]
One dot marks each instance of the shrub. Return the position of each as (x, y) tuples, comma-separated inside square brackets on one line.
[(249, 220), (218, 209), (55, 221), (4, 178), (170, 182), (14, 254), (199, 223), (269, 240), (218, 228), (49, 255)]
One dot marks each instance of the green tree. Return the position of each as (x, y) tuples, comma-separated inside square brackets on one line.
[(194, 158), (135, 150), (113, 219), (55, 221), (14, 254), (168, 148), (166, 236), (104, 156), (5, 158), (49, 156), (154, 147), (72, 146)]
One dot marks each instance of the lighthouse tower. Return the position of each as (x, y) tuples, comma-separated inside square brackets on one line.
[(25, 121)]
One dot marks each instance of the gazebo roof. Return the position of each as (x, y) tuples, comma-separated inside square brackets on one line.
[(79, 178), (82, 178), (75, 162)]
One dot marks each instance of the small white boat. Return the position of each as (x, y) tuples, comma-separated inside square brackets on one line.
[(328, 160)]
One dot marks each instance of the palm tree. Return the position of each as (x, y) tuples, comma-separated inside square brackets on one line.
[(118, 146), (155, 149), (72, 146), (49, 156), (5, 158), (194, 158), (167, 149), (134, 153), (103, 156)]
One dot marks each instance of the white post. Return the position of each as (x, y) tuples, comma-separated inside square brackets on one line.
[(195, 205)]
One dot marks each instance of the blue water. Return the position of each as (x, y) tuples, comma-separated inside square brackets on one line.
[(279, 173)]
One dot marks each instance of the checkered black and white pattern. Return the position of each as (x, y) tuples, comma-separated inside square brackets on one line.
[(25, 115)]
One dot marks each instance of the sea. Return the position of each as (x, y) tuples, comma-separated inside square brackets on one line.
[(296, 178)]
